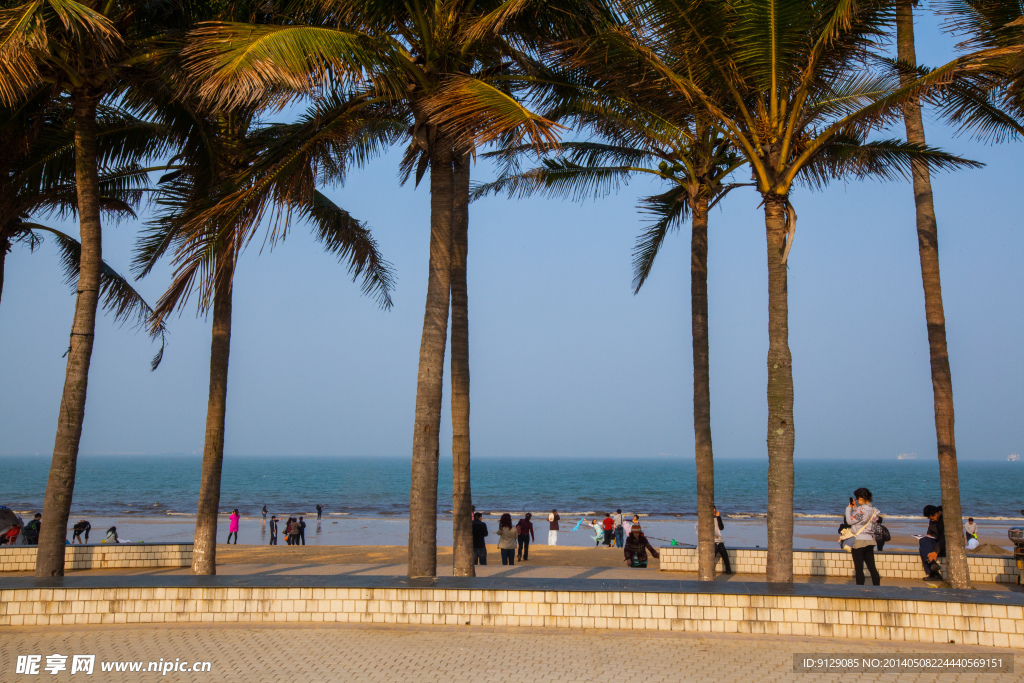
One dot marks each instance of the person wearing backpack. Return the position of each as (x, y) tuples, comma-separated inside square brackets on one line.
[(882, 535), (862, 518)]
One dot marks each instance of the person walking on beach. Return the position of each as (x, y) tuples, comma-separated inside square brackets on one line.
[(609, 529), (319, 511), (932, 545), (617, 518), (233, 526), (507, 540), (302, 532), (479, 534), (273, 530), (263, 519), (83, 527), (524, 534), (636, 548), (862, 518), (31, 531), (553, 527)]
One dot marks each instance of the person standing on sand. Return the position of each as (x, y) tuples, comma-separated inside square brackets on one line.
[(295, 531), (233, 526), (288, 531), (609, 529), (553, 527), (319, 511), (507, 540), (302, 531), (273, 530), (524, 534), (479, 544), (862, 520), (617, 518), (263, 519)]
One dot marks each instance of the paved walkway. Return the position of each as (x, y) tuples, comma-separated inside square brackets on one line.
[(453, 654), (521, 571)]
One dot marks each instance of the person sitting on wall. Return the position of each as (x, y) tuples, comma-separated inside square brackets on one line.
[(636, 548)]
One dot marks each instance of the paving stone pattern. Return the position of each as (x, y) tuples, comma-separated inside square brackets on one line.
[(269, 654)]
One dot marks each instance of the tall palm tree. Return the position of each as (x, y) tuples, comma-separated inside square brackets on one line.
[(84, 51), (693, 159), (232, 173), (785, 83), (957, 572), (446, 66), (985, 105)]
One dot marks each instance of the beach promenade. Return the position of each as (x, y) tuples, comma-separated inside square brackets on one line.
[(316, 654)]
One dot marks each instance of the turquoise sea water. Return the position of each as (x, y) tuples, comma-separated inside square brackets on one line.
[(168, 485)]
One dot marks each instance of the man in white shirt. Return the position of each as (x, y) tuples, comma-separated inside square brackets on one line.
[(619, 531)]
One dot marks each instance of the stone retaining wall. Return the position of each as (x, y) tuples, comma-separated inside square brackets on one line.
[(977, 621), (21, 558), (890, 565)]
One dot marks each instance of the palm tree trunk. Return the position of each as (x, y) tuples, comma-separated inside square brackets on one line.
[(957, 571), (61, 482), (781, 432), (5, 247), (702, 392), (430, 380), (204, 552), (462, 499)]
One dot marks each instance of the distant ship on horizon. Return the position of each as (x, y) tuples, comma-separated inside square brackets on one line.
[(1013, 457), (907, 456)]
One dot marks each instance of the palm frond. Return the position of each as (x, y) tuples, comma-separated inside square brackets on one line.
[(668, 211), (116, 293)]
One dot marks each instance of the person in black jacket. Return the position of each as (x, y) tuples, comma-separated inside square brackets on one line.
[(479, 534), (31, 530), (933, 545), (636, 548), (273, 530)]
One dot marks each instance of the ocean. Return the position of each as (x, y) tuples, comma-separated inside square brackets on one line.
[(168, 485)]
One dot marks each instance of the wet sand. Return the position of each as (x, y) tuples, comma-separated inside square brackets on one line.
[(344, 531)]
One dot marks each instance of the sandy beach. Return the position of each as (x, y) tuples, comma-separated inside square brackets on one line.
[(335, 531)]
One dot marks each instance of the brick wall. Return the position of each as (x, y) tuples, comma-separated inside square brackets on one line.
[(980, 622), (890, 565), (113, 556)]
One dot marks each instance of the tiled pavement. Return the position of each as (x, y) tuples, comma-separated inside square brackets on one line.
[(453, 654)]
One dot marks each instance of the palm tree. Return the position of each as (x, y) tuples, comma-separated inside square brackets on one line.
[(785, 83), (695, 161), (83, 53), (231, 174), (957, 571), (446, 66)]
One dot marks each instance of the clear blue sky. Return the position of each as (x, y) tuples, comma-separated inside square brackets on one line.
[(565, 360)]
